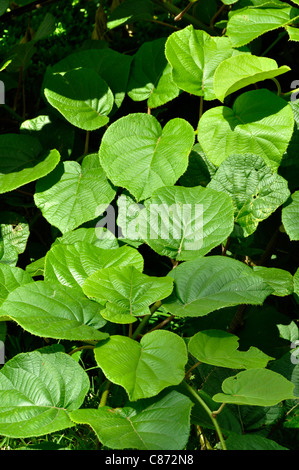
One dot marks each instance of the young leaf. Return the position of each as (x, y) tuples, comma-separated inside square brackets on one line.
[(279, 279), (250, 23), (74, 193), (54, 311), (22, 160), (150, 77), (159, 425), (144, 369), (242, 70), (72, 264), (37, 392), (207, 284), (11, 277), (256, 190), (290, 216), (259, 122), (183, 223), (194, 56), (138, 155), (256, 387), (82, 97), (219, 348), (293, 33), (128, 292), (14, 233)]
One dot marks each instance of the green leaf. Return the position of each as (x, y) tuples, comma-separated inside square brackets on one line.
[(54, 311), (22, 161), (250, 23), (194, 56), (129, 11), (200, 170), (251, 442), (242, 70), (259, 122), (46, 28), (293, 33), (4, 4), (51, 132), (37, 392), (14, 233), (82, 97), (150, 77), (279, 279), (73, 194), (219, 348), (146, 368), (138, 155), (207, 284), (160, 425), (128, 292), (256, 190), (11, 277), (296, 282), (72, 264), (256, 387), (98, 236), (290, 216), (183, 223)]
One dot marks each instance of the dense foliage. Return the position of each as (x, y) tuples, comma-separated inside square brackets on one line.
[(149, 225)]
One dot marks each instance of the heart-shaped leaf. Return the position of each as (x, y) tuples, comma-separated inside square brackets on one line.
[(242, 70), (11, 277), (163, 424), (81, 96), (194, 56), (138, 155), (183, 223), (128, 292), (37, 392), (256, 190), (279, 279), (72, 264), (259, 122), (206, 284), (255, 387), (150, 77), (219, 348), (54, 311), (73, 194), (22, 161), (144, 369)]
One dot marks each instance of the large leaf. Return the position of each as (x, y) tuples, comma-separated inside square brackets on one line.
[(150, 77), (183, 223), (207, 284), (138, 155), (82, 97), (129, 11), (51, 310), (73, 194), (111, 66), (242, 70), (22, 160), (37, 392), (146, 368), (250, 23), (128, 292), (256, 190), (251, 442), (219, 348), (194, 56), (290, 216), (160, 425), (11, 277), (259, 122), (72, 264), (256, 387)]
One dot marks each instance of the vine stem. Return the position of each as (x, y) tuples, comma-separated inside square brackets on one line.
[(105, 394), (80, 348), (209, 412)]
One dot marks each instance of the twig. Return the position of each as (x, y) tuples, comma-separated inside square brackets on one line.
[(25, 9)]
